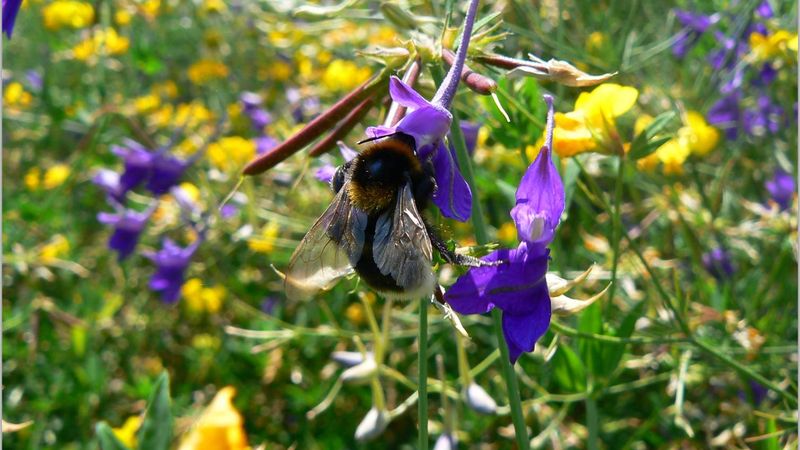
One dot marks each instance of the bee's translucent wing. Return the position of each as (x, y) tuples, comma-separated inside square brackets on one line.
[(329, 250), (402, 247)]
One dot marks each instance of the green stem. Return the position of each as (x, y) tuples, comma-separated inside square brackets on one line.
[(422, 362), (482, 237), (592, 422), (511, 381), (616, 225)]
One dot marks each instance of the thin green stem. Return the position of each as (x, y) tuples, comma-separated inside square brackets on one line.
[(514, 403), (592, 422), (616, 225), (422, 362), (482, 237)]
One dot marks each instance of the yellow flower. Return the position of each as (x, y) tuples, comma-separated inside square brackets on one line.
[(279, 71), (206, 70), (205, 341), (105, 42), (15, 95), (67, 13), (146, 103), (672, 155), (122, 17), (341, 75), (591, 126), (780, 43), (200, 299), (355, 314), (219, 427), (33, 178), (595, 41), (214, 6), (231, 152), (265, 243), (55, 176), (127, 432), (58, 246), (699, 135), (150, 8), (167, 89), (507, 232)]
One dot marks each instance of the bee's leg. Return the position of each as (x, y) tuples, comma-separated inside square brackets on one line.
[(451, 256), (339, 177)]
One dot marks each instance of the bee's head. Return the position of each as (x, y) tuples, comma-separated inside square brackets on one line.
[(379, 171)]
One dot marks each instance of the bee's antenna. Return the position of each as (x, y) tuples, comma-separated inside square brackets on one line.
[(375, 138)]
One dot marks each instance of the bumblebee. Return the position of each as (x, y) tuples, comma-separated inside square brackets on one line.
[(374, 227)]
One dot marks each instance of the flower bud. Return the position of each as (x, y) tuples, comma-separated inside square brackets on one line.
[(360, 373), (349, 359), (446, 441), (479, 400), (372, 425), (398, 16)]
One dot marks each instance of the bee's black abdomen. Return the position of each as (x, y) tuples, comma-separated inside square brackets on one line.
[(368, 270)]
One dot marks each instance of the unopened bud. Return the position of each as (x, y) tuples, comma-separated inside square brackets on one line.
[(349, 359), (372, 425), (398, 16), (479, 400), (360, 373), (567, 306), (478, 83)]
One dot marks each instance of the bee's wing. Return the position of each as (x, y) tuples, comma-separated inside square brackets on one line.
[(402, 247), (329, 250)]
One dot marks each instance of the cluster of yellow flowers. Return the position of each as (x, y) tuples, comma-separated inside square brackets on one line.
[(206, 70), (231, 153), (201, 299), (189, 115), (341, 75), (101, 42), (57, 247), (53, 177), (695, 137), (779, 45), (67, 13), (14, 95), (591, 126), (265, 242)]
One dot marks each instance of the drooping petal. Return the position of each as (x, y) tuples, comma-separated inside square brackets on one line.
[(524, 330), (10, 10), (405, 95), (325, 173), (347, 152), (453, 195), (380, 131)]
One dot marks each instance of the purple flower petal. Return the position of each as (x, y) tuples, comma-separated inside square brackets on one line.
[(171, 263), (427, 125), (470, 131), (765, 10), (524, 330), (264, 144), (405, 95), (453, 195), (10, 10), (696, 22), (718, 263), (325, 173), (167, 172), (347, 152), (110, 182), (781, 188), (128, 225), (138, 162)]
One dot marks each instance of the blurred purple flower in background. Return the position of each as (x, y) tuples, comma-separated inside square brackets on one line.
[(171, 263), (518, 285), (781, 188), (10, 10), (264, 144), (110, 182), (762, 118), (694, 25), (138, 161), (34, 79), (470, 131), (167, 171), (128, 225), (718, 263), (259, 117), (725, 114)]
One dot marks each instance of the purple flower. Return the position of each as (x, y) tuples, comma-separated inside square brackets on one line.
[(765, 116), (325, 173), (110, 182), (10, 10), (34, 80), (259, 118), (540, 195), (268, 304), (264, 144), (694, 25), (718, 263), (766, 75), (250, 100), (167, 171), (171, 263), (518, 286), (725, 114), (138, 162), (228, 210), (470, 131), (765, 10), (128, 225), (781, 188), (428, 124)]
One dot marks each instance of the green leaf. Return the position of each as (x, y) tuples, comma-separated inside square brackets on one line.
[(156, 431), (568, 369), (591, 321), (612, 353), (646, 142), (108, 441)]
